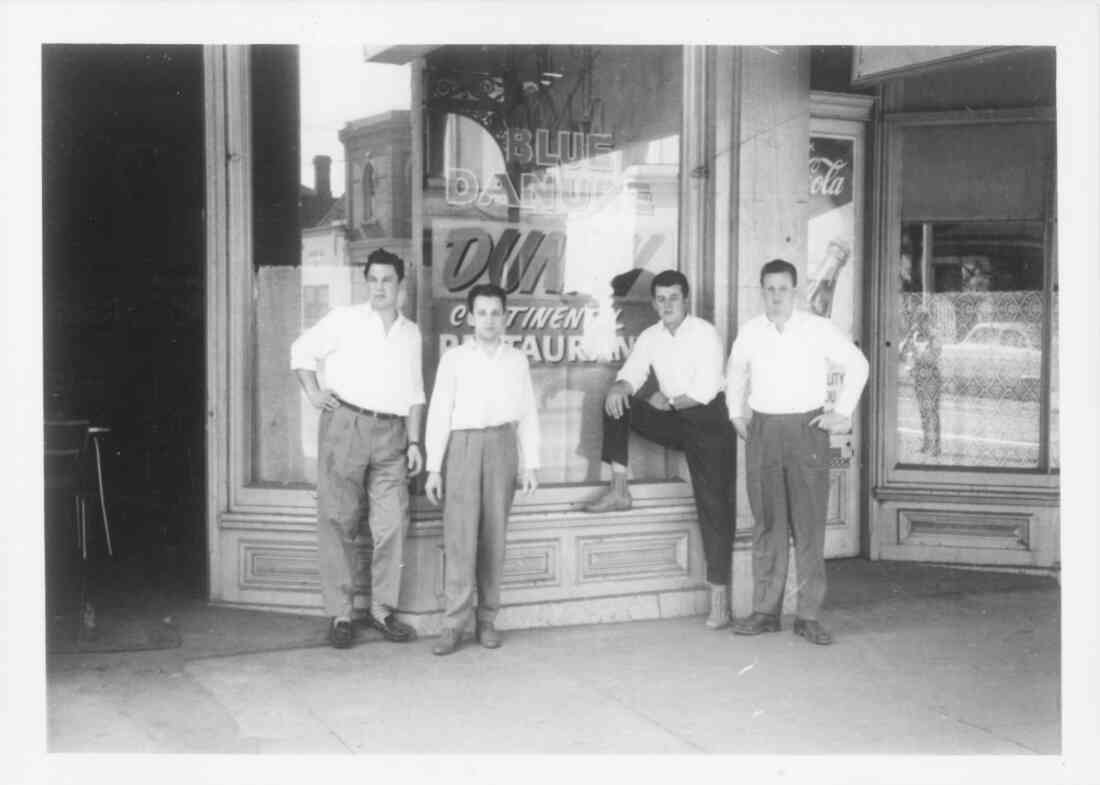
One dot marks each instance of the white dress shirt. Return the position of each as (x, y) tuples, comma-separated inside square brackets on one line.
[(687, 363), (787, 372), (361, 362), (476, 389)]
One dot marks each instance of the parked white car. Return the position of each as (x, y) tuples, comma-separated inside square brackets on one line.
[(995, 359)]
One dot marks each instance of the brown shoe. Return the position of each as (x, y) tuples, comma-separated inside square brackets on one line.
[(756, 624), (811, 630), (487, 635), (448, 643), (617, 497)]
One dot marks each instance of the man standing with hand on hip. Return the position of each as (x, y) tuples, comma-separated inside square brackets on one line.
[(372, 405), (781, 359)]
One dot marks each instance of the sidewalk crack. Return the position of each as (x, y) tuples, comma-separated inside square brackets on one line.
[(998, 736)]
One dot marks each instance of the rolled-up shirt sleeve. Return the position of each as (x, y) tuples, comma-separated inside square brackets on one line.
[(707, 380), (635, 370), (316, 342), (438, 428), (737, 378), (415, 384), (839, 349), (529, 437)]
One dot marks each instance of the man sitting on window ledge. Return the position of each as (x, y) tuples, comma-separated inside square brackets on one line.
[(688, 412)]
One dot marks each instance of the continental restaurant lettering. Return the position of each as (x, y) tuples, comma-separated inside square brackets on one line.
[(552, 334)]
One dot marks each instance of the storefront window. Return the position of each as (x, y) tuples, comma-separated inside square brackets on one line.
[(553, 171), (332, 181), (972, 316)]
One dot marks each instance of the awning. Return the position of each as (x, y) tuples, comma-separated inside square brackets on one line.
[(871, 64), (396, 55)]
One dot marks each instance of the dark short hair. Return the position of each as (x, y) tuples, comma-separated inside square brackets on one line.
[(485, 290), (669, 278), (779, 266), (382, 256)]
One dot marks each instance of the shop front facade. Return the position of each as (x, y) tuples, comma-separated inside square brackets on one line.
[(571, 175)]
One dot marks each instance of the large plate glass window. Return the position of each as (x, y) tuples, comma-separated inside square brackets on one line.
[(974, 300), (554, 171)]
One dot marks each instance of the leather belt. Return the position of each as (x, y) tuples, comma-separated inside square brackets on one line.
[(368, 412)]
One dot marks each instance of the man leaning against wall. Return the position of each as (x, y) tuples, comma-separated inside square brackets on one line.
[(360, 365)]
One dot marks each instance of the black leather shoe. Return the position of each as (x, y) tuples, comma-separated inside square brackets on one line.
[(811, 630), (756, 624), (392, 630), (340, 634)]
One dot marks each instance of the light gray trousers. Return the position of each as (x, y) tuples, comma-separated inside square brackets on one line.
[(479, 483), (361, 474)]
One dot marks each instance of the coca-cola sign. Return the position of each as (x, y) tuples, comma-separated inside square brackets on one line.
[(830, 173)]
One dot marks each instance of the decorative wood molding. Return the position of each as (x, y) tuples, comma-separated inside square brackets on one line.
[(274, 565), (217, 241), (695, 173), (967, 495), (841, 106), (1042, 114), (964, 529), (532, 563), (632, 556)]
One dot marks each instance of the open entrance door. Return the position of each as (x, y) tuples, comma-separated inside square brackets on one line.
[(835, 286)]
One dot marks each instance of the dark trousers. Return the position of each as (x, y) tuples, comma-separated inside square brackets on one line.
[(706, 436), (788, 484)]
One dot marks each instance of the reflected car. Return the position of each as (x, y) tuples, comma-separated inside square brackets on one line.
[(994, 360)]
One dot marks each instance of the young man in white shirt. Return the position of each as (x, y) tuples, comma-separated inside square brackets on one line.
[(781, 359), (371, 397), (687, 412), (482, 404)]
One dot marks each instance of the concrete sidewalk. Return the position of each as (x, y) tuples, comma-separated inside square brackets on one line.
[(933, 661)]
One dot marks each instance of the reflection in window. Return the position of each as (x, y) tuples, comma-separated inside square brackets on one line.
[(971, 310), (553, 171)]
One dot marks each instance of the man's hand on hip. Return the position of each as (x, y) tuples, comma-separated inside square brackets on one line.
[(832, 422), (324, 399)]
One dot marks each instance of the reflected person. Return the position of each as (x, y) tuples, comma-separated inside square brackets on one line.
[(921, 349)]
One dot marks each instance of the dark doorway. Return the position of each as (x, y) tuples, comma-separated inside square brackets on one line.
[(123, 270)]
